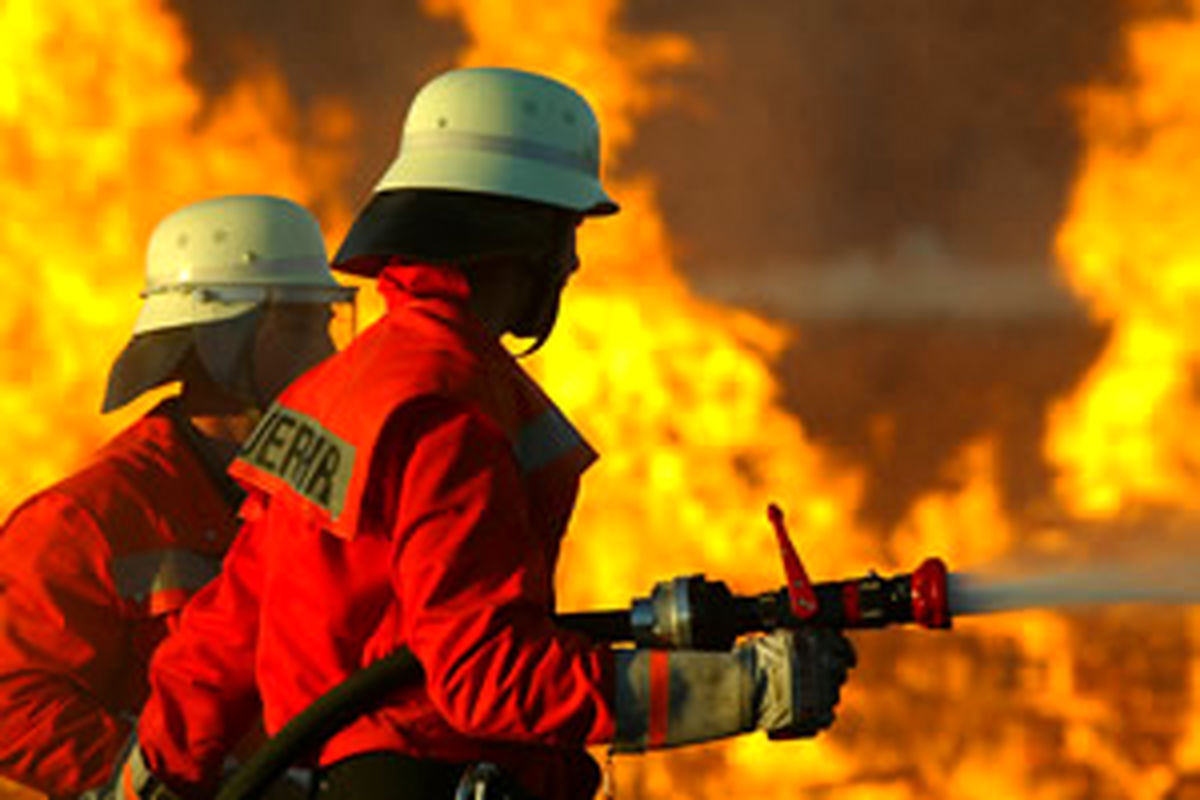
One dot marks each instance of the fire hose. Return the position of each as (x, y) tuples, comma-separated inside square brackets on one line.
[(687, 612)]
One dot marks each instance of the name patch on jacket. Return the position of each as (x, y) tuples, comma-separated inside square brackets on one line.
[(298, 450)]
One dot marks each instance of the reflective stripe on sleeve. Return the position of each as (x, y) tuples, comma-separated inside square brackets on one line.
[(137, 781), (165, 578), (544, 439), (660, 699), (666, 698)]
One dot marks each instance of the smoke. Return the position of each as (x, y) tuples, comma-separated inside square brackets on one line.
[(828, 127), (807, 130), (374, 54), (916, 279)]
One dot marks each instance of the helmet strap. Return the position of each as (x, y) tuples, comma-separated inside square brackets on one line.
[(552, 268)]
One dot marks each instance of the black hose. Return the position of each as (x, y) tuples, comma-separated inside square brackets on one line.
[(335, 709), (361, 693)]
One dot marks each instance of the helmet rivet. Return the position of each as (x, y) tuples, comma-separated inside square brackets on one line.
[(182, 241), (249, 257), (442, 122), (529, 107), (220, 235), (569, 117)]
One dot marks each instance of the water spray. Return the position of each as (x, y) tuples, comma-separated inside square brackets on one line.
[(1159, 582)]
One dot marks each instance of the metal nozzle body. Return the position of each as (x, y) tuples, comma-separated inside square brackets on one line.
[(693, 612)]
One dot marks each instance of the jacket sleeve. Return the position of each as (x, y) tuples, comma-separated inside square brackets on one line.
[(62, 644), (203, 695), (476, 586)]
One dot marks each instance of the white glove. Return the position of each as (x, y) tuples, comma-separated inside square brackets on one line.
[(786, 683)]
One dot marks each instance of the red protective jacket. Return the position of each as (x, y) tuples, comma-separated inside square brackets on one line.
[(411, 490), (92, 573)]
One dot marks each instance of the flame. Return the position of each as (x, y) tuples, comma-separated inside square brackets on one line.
[(100, 136), (679, 395), (1125, 442), (676, 393), (1131, 249)]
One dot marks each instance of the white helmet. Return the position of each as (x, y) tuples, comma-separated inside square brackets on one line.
[(487, 131), (505, 132), (217, 259), (208, 266)]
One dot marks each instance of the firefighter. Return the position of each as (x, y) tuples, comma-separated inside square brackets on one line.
[(94, 570), (413, 490)]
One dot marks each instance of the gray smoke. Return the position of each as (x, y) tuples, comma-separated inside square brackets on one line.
[(917, 279), (808, 131)]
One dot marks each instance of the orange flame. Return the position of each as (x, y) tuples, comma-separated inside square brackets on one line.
[(1131, 246), (1127, 442), (676, 393), (100, 136), (679, 395)]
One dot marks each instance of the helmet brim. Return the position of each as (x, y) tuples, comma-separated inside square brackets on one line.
[(430, 226)]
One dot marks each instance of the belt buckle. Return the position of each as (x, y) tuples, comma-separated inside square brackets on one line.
[(483, 780)]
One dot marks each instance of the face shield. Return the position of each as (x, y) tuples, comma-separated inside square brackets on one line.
[(259, 338)]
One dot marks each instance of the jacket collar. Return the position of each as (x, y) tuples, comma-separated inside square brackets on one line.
[(401, 283)]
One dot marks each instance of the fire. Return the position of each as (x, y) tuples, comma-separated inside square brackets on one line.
[(678, 394), (1126, 441), (1131, 247), (100, 136)]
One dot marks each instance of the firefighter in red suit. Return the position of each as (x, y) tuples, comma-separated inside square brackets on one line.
[(413, 490), (94, 570)]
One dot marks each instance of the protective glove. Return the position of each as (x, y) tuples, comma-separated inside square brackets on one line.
[(786, 683)]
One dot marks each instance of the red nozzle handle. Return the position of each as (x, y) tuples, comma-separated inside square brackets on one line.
[(801, 596), (930, 596)]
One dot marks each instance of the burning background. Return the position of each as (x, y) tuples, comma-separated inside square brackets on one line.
[(920, 271)]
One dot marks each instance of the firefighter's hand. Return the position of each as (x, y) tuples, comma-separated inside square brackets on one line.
[(799, 675)]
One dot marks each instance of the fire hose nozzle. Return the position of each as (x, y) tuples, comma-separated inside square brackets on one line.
[(931, 594), (694, 612), (921, 598)]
